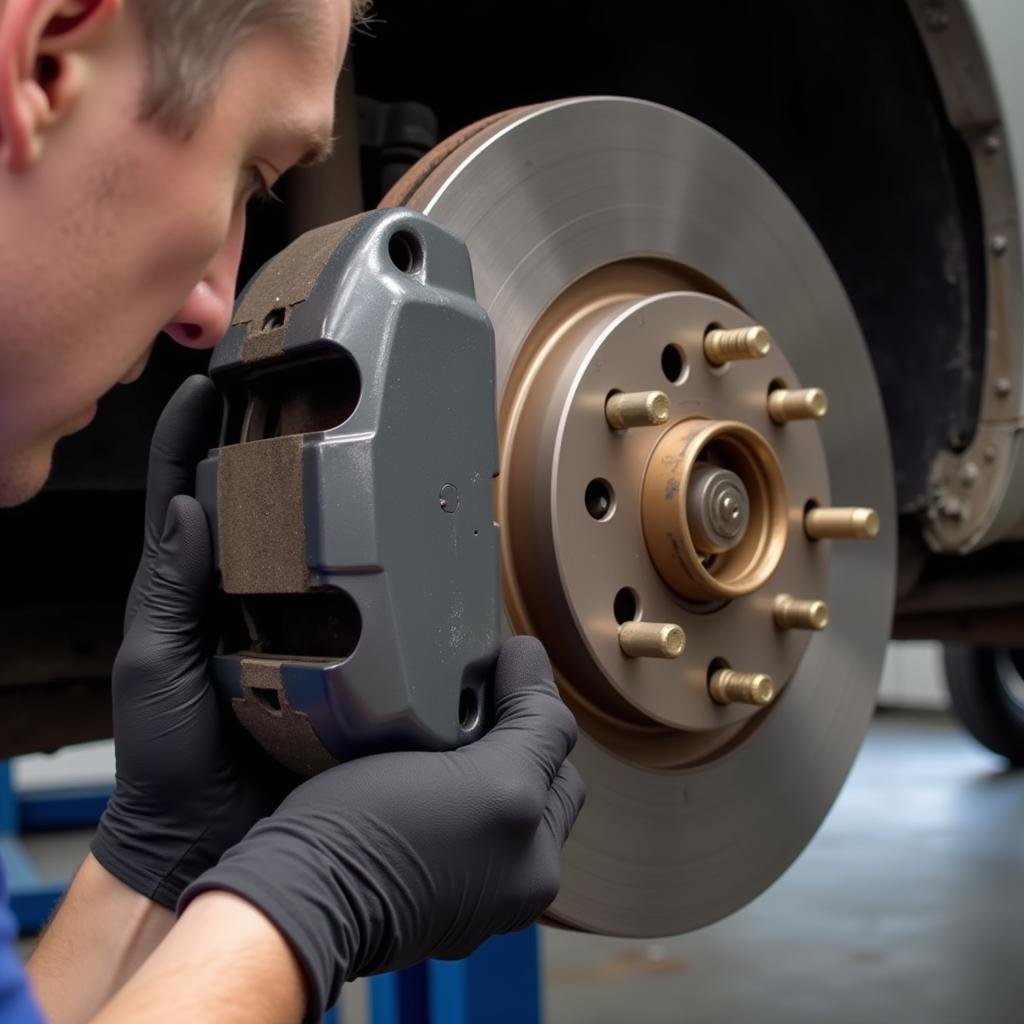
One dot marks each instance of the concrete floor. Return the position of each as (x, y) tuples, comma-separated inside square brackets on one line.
[(906, 907)]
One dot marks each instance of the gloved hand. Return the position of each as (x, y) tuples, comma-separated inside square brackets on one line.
[(189, 783), (381, 862)]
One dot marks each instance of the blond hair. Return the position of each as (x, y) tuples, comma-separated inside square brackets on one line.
[(189, 41)]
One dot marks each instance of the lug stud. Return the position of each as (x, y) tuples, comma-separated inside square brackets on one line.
[(792, 613), (637, 409), (729, 687), (803, 404), (726, 346), (651, 639), (841, 523)]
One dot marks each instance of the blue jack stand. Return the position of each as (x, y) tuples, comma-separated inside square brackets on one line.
[(33, 898), (498, 984)]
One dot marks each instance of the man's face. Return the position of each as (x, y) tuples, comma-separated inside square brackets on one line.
[(117, 230)]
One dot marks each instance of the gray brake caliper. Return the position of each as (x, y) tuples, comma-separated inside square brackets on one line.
[(351, 500)]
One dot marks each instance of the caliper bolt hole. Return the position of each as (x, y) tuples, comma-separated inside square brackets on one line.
[(405, 252)]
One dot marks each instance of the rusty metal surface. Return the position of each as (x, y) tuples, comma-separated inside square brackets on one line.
[(977, 495)]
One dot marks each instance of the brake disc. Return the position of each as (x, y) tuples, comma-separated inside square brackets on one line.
[(678, 512)]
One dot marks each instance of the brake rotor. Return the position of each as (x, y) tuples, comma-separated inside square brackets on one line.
[(678, 514)]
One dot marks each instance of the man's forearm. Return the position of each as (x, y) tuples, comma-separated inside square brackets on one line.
[(222, 963), (99, 938)]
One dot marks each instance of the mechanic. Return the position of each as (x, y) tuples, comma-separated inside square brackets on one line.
[(132, 135)]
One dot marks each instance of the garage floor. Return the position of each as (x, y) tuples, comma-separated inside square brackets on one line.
[(907, 907)]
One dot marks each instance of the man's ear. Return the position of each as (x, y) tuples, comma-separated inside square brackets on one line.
[(45, 50)]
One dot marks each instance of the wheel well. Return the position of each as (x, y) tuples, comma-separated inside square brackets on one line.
[(837, 102)]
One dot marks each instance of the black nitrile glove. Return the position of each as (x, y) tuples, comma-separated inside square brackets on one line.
[(382, 862), (189, 784)]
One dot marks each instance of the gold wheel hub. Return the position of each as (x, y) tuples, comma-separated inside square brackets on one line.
[(691, 519)]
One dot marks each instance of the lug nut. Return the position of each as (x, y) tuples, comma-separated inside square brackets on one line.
[(804, 404), (637, 409), (841, 523), (651, 639), (729, 687), (721, 347), (792, 613)]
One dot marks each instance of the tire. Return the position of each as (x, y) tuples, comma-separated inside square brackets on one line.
[(986, 686)]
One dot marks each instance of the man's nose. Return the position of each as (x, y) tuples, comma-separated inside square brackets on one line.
[(206, 314)]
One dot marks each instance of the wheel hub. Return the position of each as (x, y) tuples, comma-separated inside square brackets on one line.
[(682, 522)]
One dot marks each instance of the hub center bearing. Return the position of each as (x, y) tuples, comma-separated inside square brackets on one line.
[(714, 489), (718, 509)]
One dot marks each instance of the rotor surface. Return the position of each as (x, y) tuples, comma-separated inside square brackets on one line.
[(589, 216)]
